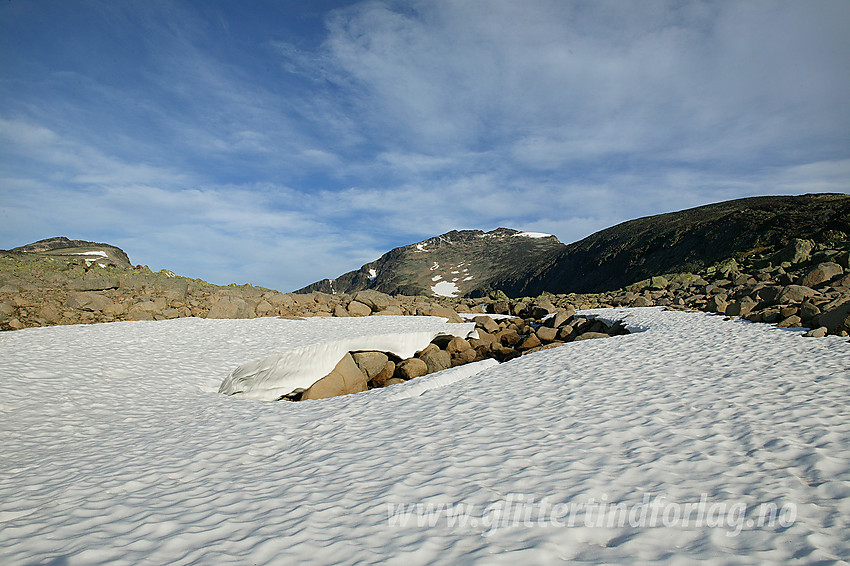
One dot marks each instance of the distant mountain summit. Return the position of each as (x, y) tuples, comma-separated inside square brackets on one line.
[(473, 263), (454, 264), (89, 252)]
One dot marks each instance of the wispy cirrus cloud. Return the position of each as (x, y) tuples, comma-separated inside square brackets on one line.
[(281, 143)]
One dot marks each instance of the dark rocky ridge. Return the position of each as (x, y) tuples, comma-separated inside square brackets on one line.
[(684, 241), (470, 259), (688, 240)]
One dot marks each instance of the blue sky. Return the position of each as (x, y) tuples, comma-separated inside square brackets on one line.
[(282, 142)]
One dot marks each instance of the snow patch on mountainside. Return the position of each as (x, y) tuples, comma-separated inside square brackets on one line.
[(445, 289), (533, 235)]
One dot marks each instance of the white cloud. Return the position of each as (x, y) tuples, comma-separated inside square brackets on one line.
[(409, 119)]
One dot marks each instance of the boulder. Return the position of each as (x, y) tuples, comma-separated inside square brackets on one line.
[(540, 308), (658, 282), (344, 379), (410, 368), (173, 289), (500, 307), (146, 306), (264, 308), (435, 359), (50, 313), (391, 381), (835, 319), (529, 342), (340, 311), (139, 315), (385, 376), (591, 336), (229, 306), (93, 302), (547, 334), (391, 310), (560, 318), (821, 274), (7, 312), (444, 312), (796, 252), (769, 293), (370, 363), (795, 294), (486, 323), (457, 344), (566, 332), (808, 311), (94, 283), (375, 300), (464, 357), (742, 307), (717, 303), (819, 332), (641, 301), (792, 321), (280, 300), (509, 337), (356, 308)]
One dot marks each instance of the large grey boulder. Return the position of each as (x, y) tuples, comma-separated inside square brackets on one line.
[(229, 306)]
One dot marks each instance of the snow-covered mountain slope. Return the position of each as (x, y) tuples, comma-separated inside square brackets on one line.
[(458, 263), (117, 449)]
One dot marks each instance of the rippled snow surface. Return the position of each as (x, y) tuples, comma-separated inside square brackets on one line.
[(117, 449)]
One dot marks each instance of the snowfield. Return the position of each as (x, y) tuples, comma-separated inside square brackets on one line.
[(118, 449)]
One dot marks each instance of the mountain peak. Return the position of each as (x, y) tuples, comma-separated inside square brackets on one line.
[(90, 252), (457, 263)]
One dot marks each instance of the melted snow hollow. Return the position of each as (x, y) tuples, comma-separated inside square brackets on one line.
[(117, 448)]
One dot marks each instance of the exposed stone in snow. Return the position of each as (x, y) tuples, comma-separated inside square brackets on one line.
[(280, 374)]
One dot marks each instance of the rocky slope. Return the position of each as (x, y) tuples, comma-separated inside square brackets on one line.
[(688, 240), (473, 263), (63, 248), (458, 263)]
